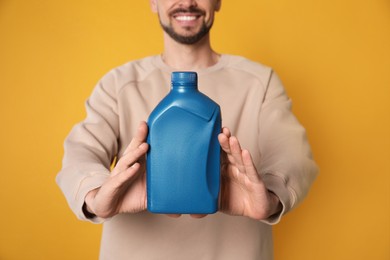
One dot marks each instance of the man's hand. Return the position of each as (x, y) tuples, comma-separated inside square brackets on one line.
[(125, 190), (243, 193)]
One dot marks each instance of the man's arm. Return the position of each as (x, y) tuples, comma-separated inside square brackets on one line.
[(268, 189), (90, 147)]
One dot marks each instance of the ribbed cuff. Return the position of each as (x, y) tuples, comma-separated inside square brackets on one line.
[(91, 182), (277, 185)]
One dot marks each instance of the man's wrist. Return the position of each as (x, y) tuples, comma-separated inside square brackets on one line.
[(87, 212), (276, 205)]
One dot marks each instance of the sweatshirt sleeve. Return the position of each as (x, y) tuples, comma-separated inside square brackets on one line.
[(90, 147), (287, 164)]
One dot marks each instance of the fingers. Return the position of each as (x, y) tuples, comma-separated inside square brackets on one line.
[(192, 215), (224, 142), (132, 156), (236, 152), (139, 138), (250, 168), (223, 139), (237, 157), (119, 179), (135, 150), (174, 215), (198, 215), (226, 131), (231, 146)]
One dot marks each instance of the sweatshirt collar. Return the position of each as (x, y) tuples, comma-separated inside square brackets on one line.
[(223, 60)]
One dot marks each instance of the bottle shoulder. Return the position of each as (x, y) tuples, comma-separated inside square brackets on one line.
[(196, 103)]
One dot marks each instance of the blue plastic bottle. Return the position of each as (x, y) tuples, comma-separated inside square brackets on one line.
[(183, 162)]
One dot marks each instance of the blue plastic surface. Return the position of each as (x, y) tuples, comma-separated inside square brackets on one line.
[(183, 161)]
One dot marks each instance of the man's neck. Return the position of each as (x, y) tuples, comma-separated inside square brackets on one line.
[(189, 57)]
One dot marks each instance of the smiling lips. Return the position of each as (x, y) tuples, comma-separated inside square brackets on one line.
[(185, 17)]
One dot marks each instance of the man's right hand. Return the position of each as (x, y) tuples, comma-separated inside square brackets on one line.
[(125, 190)]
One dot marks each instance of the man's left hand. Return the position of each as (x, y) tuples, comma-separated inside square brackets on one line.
[(243, 192)]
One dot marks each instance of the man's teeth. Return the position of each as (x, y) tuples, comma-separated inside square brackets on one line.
[(185, 18)]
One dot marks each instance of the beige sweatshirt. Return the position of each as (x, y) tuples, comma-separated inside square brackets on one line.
[(254, 107)]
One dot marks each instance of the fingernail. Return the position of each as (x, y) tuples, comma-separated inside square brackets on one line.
[(133, 165)]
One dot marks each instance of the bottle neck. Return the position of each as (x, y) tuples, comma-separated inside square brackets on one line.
[(183, 88)]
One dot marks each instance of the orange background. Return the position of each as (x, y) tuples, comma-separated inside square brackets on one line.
[(333, 57)]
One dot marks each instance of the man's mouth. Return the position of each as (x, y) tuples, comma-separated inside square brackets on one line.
[(185, 15)]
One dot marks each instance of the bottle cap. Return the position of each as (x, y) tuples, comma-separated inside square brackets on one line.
[(184, 79)]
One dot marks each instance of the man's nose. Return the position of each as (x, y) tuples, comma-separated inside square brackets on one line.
[(188, 3)]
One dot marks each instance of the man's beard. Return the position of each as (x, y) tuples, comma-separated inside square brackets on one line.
[(204, 30)]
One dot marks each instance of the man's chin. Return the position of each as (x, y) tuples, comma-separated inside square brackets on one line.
[(187, 37), (186, 34), (186, 31)]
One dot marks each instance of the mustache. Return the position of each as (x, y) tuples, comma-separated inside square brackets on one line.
[(191, 9)]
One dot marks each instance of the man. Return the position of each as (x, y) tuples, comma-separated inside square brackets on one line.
[(259, 184)]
